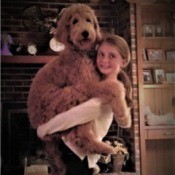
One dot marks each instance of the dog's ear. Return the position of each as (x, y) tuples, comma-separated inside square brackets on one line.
[(62, 11), (62, 26), (97, 28)]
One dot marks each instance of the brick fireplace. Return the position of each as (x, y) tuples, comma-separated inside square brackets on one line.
[(19, 140)]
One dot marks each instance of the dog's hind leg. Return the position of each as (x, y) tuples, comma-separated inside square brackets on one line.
[(85, 138), (91, 145), (54, 157)]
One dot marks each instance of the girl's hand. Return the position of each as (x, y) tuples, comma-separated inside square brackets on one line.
[(42, 133)]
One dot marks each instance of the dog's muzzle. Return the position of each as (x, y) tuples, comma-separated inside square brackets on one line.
[(85, 34)]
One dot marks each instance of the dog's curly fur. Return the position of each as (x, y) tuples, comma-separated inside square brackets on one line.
[(72, 79)]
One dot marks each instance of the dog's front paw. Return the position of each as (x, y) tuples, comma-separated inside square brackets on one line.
[(124, 120)]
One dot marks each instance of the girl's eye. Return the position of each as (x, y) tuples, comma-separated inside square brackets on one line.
[(75, 21), (100, 54), (112, 56), (88, 20)]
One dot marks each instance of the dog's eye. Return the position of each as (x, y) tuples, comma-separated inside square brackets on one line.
[(88, 20), (75, 21)]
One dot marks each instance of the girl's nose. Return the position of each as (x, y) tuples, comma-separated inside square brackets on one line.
[(105, 59)]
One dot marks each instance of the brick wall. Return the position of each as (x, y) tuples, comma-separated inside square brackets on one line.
[(12, 19), (16, 78), (134, 70)]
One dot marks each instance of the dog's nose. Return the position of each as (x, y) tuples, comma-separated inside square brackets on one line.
[(85, 34)]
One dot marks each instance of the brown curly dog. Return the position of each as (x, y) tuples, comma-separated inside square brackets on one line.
[(72, 79)]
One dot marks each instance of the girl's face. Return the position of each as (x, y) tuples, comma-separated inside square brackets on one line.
[(109, 61)]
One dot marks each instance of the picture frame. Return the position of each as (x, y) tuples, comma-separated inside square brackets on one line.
[(159, 76), (147, 76), (156, 55), (159, 31), (148, 30), (170, 77), (170, 55), (144, 56)]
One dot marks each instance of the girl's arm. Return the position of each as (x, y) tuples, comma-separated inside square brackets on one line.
[(78, 115)]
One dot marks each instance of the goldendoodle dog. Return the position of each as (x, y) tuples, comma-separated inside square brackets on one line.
[(72, 79)]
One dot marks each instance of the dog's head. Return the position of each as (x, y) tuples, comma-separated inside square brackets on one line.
[(78, 27)]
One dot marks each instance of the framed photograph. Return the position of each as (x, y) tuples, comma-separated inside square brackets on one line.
[(170, 77), (144, 56), (158, 31), (159, 75), (147, 76), (148, 30), (156, 54), (170, 55)]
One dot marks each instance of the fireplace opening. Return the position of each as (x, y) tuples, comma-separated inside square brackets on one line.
[(19, 140)]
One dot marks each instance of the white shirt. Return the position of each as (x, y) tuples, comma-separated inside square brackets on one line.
[(92, 110)]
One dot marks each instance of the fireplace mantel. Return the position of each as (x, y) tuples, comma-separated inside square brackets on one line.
[(27, 59)]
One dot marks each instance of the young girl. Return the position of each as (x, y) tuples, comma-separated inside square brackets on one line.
[(113, 53)]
